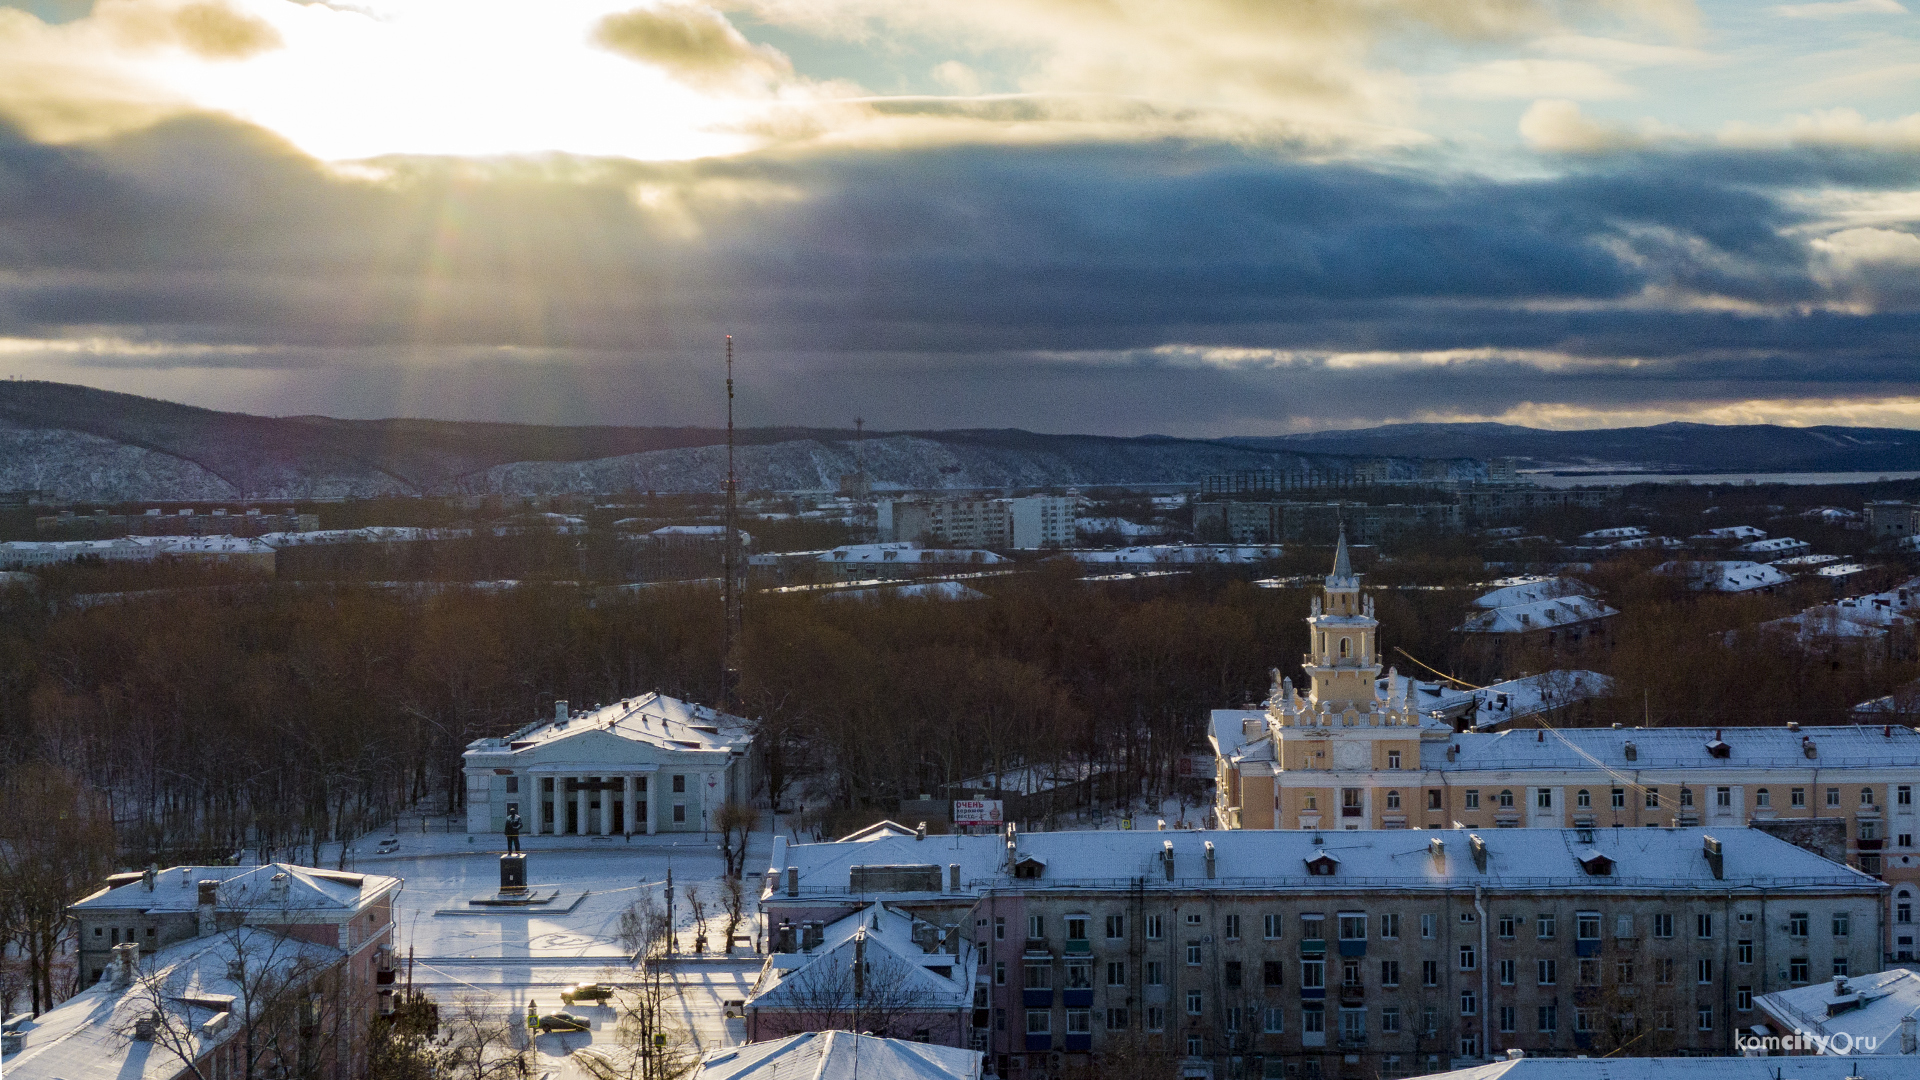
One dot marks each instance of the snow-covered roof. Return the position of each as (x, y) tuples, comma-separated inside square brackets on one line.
[(1878, 1067), (372, 534), (908, 553), (1869, 1006), (1033, 779), (1901, 703), (930, 980), (1621, 532), (1854, 617), (1516, 698), (1725, 576), (1537, 615), (654, 718), (1732, 532), (922, 590), (1806, 560), (1662, 858), (1775, 546), (1529, 590), (1584, 749), (715, 532), (87, 1036), (198, 545), (1120, 526), (840, 1055), (309, 890), (1181, 554)]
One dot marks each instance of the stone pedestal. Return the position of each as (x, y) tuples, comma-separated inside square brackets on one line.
[(513, 873)]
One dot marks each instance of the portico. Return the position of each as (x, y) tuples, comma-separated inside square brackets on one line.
[(642, 766)]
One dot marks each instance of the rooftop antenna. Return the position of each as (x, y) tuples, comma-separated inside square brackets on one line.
[(730, 584)]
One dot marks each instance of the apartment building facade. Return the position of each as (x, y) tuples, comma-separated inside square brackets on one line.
[(1378, 953), (1352, 749)]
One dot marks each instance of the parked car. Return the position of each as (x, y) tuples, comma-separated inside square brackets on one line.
[(564, 1022), (586, 992)]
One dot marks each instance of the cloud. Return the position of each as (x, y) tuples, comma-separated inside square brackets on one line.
[(694, 43), (1558, 126), (1524, 78), (204, 28), (1839, 9), (1895, 412)]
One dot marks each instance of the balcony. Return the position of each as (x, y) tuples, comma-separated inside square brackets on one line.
[(1036, 999), (1587, 947), (1037, 946), (1353, 995), (1350, 811), (1078, 999), (1039, 1042), (1082, 946), (1313, 993), (1313, 946), (1874, 844), (1082, 1041), (1353, 947), (1349, 1041)]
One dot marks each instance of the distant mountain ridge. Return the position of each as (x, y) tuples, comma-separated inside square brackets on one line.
[(1672, 447), (97, 446)]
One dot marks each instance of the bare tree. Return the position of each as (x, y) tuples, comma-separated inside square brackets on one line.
[(733, 901), (697, 907), (56, 843), (481, 1044), (652, 1043), (736, 822)]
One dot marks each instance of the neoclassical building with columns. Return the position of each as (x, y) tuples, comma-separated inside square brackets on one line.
[(1354, 748), (649, 764)]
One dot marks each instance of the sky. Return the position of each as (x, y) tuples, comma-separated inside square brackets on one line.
[(1197, 218)]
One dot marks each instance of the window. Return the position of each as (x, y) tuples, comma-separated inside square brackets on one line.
[(679, 812), (1506, 973), (1663, 925), (1272, 972), (1623, 926), (1313, 1021), (1506, 927), (1470, 1044), (1230, 973), (1393, 797), (1429, 973), (1390, 1020), (1840, 966), (1743, 951), (1903, 795), (1797, 970), (1842, 923), (1763, 798), (1393, 762), (1389, 973), (1353, 1024), (1797, 798), (1193, 919), (1117, 1019), (1623, 972), (1506, 800), (1155, 928), (1468, 916), (1866, 796), (1156, 973), (1193, 954), (1156, 1018), (1589, 973), (1353, 928), (1116, 973), (1653, 798), (1582, 1021), (1036, 927), (1743, 998), (1723, 796), (1390, 926), (1543, 798), (1391, 1067), (1619, 799), (1469, 959), (1433, 800), (1663, 1019), (1507, 1014), (1547, 1018), (1703, 971), (679, 785), (1232, 927), (1473, 799), (1430, 1020), (1039, 1021), (1313, 974), (1350, 973), (1274, 1021), (999, 973), (999, 928), (1543, 926), (1313, 801), (1429, 926), (1797, 923), (1039, 976), (1703, 1018), (1079, 1021), (1833, 796), (1076, 928), (1905, 839), (999, 1019), (1703, 925), (1586, 926), (1116, 926), (1469, 1003), (1193, 1003), (1584, 799), (1545, 972)]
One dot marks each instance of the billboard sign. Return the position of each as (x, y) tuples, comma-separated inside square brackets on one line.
[(977, 812)]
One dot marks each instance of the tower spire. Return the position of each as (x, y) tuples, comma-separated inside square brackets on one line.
[(1342, 562), (730, 587)]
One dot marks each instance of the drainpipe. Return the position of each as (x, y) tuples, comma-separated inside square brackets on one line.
[(1486, 959)]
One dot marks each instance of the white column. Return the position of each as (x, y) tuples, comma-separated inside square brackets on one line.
[(530, 782), (626, 804), (606, 809), (653, 803), (580, 802)]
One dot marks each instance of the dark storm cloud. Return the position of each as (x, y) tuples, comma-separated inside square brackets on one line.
[(1003, 278)]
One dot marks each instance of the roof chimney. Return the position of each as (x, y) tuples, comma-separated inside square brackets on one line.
[(559, 712), (1437, 849), (921, 832), (1166, 857), (1478, 848), (793, 881), (126, 964), (1209, 858), (209, 896), (953, 877), (859, 964), (1715, 860)]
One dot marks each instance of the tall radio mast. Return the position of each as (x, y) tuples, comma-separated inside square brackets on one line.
[(730, 585)]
